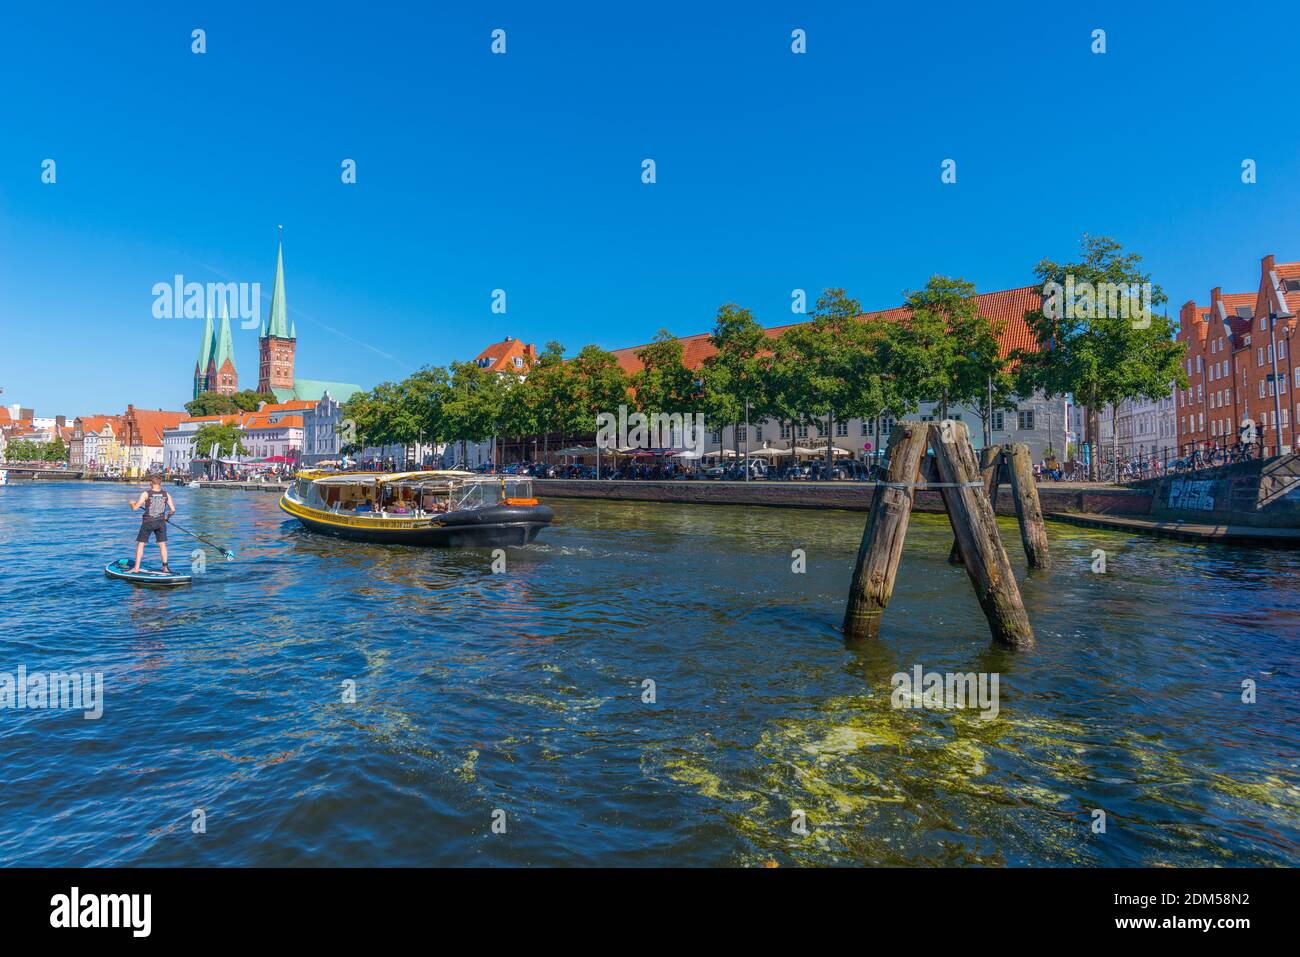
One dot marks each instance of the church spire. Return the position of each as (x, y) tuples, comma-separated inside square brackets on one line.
[(279, 324), (205, 353), (224, 344), (205, 347)]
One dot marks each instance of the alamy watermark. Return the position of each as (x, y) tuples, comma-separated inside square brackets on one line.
[(944, 692), (658, 430), (53, 690), (194, 300), (1103, 300)]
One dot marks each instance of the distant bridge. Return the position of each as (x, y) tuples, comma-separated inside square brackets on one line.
[(43, 472)]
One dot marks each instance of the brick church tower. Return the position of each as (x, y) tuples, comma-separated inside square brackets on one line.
[(222, 377), (215, 369), (278, 340)]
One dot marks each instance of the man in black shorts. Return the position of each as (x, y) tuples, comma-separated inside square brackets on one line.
[(156, 504)]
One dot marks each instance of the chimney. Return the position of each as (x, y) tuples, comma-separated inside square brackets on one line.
[(1266, 264)]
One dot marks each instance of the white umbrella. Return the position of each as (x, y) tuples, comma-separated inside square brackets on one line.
[(768, 453)]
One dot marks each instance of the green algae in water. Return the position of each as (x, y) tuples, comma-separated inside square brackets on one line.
[(886, 786)]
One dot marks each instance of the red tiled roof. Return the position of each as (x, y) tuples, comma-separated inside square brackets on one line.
[(501, 355), (1007, 305), (262, 420), (96, 423), (150, 424), (229, 417)]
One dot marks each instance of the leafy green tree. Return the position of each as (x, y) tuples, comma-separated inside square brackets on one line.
[(56, 451), (733, 375), (594, 383), (358, 421), (956, 350), (471, 410), (249, 400), (833, 365), (540, 404), (424, 395), (927, 354), (1100, 355), (225, 436), (216, 403), (664, 383)]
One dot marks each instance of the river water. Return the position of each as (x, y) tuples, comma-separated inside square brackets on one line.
[(519, 698)]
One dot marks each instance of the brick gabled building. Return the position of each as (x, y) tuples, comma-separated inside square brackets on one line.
[(1229, 363)]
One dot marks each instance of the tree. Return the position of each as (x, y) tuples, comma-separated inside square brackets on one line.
[(832, 367), (217, 403), (594, 383), (424, 395), (1109, 345), (968, 367), (225, 436), (56, 451), (470, 410), (359, 416), (540, 403), (927, 352), (733, 375), (664, 384)]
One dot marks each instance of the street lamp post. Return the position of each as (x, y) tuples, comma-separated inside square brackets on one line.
[(746, 440)]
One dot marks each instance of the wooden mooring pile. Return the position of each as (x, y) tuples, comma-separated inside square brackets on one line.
[(969, 489)]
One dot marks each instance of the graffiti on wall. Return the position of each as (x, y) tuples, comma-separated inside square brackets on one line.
[(1191, 494)]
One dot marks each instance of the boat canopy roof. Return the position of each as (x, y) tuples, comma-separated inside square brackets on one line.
[(387, 478)]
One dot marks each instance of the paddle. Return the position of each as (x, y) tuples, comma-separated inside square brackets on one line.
[(229, 555)]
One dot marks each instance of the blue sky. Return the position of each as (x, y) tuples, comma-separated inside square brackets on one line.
[(523, 171)]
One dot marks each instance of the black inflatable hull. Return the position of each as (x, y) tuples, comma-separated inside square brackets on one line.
[(495, 525)]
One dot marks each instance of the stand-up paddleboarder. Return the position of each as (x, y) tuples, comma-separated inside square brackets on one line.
[(156, 504)]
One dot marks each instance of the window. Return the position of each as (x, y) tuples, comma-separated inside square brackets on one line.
[(741, 433), (1259, 356), (801, 432), (785, 431), (758, 433), (1261, 388), (997, 422), (866, 426), (1281, 348), (886, 426), (1025, 420)]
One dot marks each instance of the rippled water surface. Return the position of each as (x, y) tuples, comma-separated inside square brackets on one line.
[(522, 692)]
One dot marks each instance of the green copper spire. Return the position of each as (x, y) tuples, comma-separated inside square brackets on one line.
[(279, 324), (224, 345), (205, 348)]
